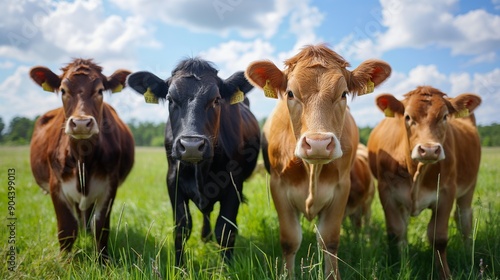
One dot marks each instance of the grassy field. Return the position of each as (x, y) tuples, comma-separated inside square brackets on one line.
[(141, 240)]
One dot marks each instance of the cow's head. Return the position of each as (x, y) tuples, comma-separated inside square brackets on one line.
[(425, 113), (196, 96), (81, 86), (314, 86)]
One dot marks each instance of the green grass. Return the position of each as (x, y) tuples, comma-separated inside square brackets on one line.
[(141, 240)]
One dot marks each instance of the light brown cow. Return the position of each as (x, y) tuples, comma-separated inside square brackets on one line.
[(310, 140), (360, 200), (82, 152), (425, 155)]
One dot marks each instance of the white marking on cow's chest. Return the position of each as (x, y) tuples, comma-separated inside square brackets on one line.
[(297, 196), (97, 192), (422, 200), (422, 197)]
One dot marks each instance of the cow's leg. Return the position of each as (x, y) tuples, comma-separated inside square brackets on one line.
[(437, 233), (206, 230), (101, 223), (290, 230), (463, 216), (329, 225), (396, 221), (183, 227), (67, 225), (226, 227), (85, 218), (356, 219)]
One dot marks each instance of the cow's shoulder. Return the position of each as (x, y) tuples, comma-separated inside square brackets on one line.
[(280, 140), (386, 148)]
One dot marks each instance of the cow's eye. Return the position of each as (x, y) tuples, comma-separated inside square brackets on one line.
[(344, 94), (445, 117), (63, 91), (100, 91), (407, 118), (289, 94), (216, 102)]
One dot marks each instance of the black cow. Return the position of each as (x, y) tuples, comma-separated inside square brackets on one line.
[(212, 145)]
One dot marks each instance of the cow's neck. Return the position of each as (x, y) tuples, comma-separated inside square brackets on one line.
[(314, 170), (82, 152)]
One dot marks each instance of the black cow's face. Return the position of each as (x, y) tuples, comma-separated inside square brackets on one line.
[(196, 99), (194, 106)]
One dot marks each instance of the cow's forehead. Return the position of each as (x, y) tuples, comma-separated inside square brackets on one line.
[(81, 81), (189, 85), (426, 104), (82, 67), (317, 79)]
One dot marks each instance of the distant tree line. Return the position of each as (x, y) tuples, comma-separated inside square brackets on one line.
[(19, 131)]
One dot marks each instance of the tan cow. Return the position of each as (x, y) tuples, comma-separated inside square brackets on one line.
[(310, 141), (81, 152), (425, 155), (360, 200)]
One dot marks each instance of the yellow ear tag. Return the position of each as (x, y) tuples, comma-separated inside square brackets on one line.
[(237, 97), (370, 86), (269, 91), (47, 87), (389, 113), (462, 113), (150, 97), (118, 88)]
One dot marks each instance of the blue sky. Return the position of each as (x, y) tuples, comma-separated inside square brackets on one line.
[(449, 44)]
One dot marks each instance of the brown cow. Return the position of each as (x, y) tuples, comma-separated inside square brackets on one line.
[(82, 152), (310, 140), (426, 155), (360, 200)]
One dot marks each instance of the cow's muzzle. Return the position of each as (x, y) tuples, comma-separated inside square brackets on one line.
[(191, 148), (428, 152), (319, 147), (81, 127)]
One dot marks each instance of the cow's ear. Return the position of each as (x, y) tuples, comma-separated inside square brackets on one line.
[(235, 87), (116, 82), (146, 82), (267, 76), (368, 75), (45, 78), (390, 105), (464, 104)]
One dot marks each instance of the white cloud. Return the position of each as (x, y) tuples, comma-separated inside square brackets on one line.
[(304, 20), (6, 64), (482, 58), (419, 24), (55, 31), (81, 28), (460, 83), (249, 18), (24, 97)]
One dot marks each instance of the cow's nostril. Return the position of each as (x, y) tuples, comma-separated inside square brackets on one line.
[(89, 122), (421, 150), (181, 147), (201, 147), (305, 145), (438, 150)]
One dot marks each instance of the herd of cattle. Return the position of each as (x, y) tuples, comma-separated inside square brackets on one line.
[(424, 155)]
